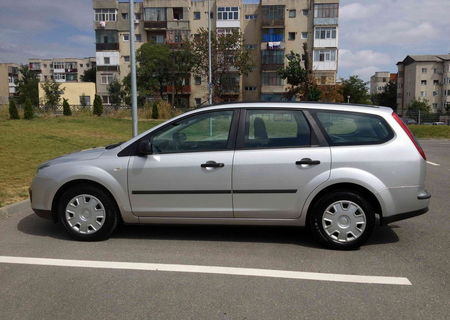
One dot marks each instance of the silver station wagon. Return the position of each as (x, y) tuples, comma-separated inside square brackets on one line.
[(336, 169)]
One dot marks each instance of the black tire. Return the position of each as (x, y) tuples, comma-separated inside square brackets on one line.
[(317, 229), (110, 209)]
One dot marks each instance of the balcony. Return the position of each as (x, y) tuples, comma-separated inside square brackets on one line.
[(184, 89), (155, 25), (325, 21), (272, 16), (106, 46), (273, 45), (107, 68), (272, 23), (231, 90)]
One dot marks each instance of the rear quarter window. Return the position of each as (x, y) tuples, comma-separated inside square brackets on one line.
[(350, 128)]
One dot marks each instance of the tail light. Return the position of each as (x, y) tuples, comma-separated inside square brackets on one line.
[(410, 135)]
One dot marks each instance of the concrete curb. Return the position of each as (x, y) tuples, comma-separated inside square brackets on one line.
[(14, 208)]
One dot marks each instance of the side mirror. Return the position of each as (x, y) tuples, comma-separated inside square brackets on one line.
[(144, 148)]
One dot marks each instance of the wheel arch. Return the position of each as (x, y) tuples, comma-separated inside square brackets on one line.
[(364, 192), (73, 183)]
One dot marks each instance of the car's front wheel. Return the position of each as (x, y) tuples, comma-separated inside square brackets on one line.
[(342, 220), (87, 213)]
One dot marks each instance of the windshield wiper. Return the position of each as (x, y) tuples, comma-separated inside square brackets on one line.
[(112, 146)]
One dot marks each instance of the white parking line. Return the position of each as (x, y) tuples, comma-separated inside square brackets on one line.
[(207, 269), (433, 164)]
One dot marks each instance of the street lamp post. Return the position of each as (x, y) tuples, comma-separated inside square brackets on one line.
[(134, 115), (210, 87)]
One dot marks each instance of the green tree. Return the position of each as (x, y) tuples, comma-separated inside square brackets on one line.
[(89, 75), (66, 108), (388, 97), (418, 105), (13, 113), (53, 92), (153, 69), (98, 106), (27, 86), (28, 112), (116, 92), (155, 113), (355, 89), (230, 60)]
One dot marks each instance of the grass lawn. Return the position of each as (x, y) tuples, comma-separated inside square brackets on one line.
[(430, 132), (25, 144)]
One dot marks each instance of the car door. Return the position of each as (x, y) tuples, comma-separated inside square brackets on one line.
[(188, 173), (279, 161)]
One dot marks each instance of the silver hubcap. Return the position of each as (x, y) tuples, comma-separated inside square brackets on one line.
[(344, 221), (85, 214)]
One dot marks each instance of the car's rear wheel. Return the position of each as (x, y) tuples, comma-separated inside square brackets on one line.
[(87, 213), (342, 220)]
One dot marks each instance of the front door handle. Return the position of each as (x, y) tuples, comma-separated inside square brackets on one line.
[(212, 164), (307, 161)]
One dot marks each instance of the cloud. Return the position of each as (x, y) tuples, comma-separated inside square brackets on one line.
[(378, 34)]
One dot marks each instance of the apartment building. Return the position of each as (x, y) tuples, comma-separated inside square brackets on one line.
[(271, 29), (9, 74), (61, 69), (424, 77), (379, 80)]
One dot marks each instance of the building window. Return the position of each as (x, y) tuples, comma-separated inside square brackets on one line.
[(435, 93), (324, 55), (106, 60), (435, 105), (225, 31), (325, 33), (137, 16), (291, 36), (155, 14), (273, 35), (250, 46), (156, 38), (250, 88), (305, 12), (271, 79), (424, 70), (272, 57), (87, 65), (250, 16), (423, 82), (228, 13), (85, 100), (126, 58), (107, 78), (177, 13), (198, 102), (138, 37), (81, 65), (304, 35), (436, 82), (59, 76), (105, 15), (326, 10), (198, 80), (435, 70), (196, 15), (423, 94), (105, 99), (126, 36), (125, 15), (292, 13)]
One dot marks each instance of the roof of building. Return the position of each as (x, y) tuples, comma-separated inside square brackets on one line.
[(425, 58)]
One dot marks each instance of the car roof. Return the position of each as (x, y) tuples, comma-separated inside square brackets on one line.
[(304, 105)]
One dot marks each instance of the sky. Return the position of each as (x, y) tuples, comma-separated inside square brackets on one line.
[(373, 34)]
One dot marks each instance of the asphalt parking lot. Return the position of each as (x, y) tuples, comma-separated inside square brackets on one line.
[(416, 249)]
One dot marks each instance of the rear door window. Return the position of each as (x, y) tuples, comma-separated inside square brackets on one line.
[(349, 128), (276, 129)]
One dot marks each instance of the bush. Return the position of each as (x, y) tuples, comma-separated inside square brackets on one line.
[(28, 110), (155, 113), (98, 106), (13, 113), (66, 108), (165, 110)]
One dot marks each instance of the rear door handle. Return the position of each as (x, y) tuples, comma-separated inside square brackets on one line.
[(307, 161), (212, 164)]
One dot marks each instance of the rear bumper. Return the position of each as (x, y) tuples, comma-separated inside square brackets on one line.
[(402, 216)]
